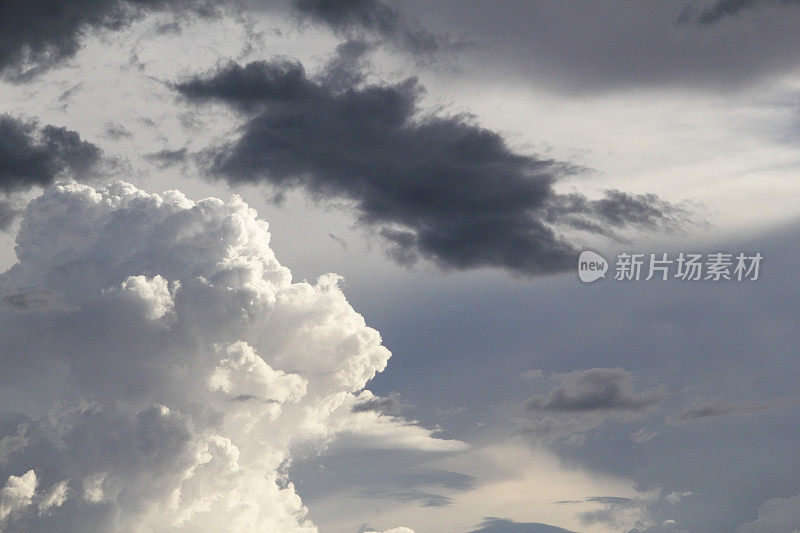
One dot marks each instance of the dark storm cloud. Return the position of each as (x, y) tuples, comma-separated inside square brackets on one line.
[(31, 156), (371, 16), (597, 389), (39, 33), (250, 87), (500, 525), (718, 408), (438, 187)]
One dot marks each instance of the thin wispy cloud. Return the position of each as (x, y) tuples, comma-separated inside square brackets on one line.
[(702, 411)]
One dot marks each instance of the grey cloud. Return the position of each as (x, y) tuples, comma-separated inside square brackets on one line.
[(500, 525), (599, 45), (347, 469), (718, 408), (610, 500), (167, 158), (706, 410), (66, 97), (721, 9), (116, 132), (39, 33), (615, 510), (47, 31), (338, 240), (425, 499), (388, 405), (437, 187), (595, 390), (778, 515), (617, 210), (371, 16), (688, 338), (33, 300), (12, 442), (561, 430), (279, 82), (643, 435), (601, 516), (32, 156), (346, 68), (244, 398), (611, 513), (606, 500), (731, 8), (585, 46), (9, 211), (668, 526), (91, 439)]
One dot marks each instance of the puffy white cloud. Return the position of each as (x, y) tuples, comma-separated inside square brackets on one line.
[(17, 493), (185, 366), (55, 497), (153, 295), (20, 493), (243, 375)]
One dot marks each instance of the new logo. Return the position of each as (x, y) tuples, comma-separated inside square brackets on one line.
[(591, 266)]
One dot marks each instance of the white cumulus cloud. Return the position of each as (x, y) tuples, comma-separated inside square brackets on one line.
[(169, 391), (17, 493)]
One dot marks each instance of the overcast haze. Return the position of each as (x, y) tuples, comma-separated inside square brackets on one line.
[(312, 266)]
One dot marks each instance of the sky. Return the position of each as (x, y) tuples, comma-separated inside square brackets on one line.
[(306, 265)]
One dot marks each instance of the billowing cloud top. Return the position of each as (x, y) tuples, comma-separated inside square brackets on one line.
[(167, 388)]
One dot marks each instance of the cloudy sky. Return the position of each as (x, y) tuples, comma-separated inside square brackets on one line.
[(309, 265)]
